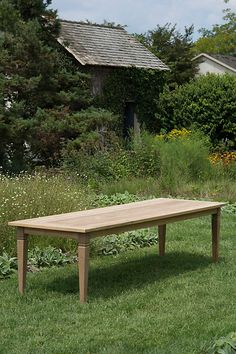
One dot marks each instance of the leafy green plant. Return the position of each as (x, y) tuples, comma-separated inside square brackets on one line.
[(209, 102), (230, 208), (103, 200), (49, 257), (223, 345), (115, 244), (7, 265)]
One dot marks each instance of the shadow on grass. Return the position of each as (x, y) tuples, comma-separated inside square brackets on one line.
[(134, 273)]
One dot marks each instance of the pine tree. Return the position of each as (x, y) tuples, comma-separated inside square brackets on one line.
[(37, 78), (174, 49)]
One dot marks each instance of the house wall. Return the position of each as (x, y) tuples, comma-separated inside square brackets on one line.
[(209, 66), (99, 75)]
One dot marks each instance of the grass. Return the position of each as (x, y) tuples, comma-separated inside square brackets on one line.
[(138, 302), (29, 196), (215, 189)]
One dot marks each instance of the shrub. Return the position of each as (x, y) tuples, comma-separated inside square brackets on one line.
[(209, 102), (176, 157), (54, 133)]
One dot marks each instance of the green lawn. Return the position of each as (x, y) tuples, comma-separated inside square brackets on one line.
[(138, 302)]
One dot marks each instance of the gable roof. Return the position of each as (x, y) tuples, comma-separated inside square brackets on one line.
[(228, 61), (106, 46)]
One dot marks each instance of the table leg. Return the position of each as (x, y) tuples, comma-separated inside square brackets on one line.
[(215, 227), (83, 254), (162, 239), (22, 250)]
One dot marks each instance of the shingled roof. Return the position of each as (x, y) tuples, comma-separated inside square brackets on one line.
[(106, 46), (228, 61)]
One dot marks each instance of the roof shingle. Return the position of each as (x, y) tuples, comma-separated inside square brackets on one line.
[(226, 59), (106, 46)]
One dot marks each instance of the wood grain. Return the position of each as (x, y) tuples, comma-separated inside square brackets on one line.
[(118, 216), (83, 256), (22, 250), (162, 239)]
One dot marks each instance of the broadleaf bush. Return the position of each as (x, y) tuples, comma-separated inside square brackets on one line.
[(209, 102)]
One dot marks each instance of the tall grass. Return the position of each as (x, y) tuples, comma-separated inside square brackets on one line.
[(29, 196), (183, 160)]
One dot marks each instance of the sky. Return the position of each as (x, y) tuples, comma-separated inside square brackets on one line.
[(142, 15)]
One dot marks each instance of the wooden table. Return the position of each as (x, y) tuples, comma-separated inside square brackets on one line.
[(85, 225)]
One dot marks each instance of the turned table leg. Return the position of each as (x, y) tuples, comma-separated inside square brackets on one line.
[(22, 250), (83, 254), (215, 227), (162, 239)]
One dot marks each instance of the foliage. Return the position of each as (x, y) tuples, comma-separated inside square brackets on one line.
[(184, 158), (43, 96), (7, 265), (149, 156), (48, 257), (175, 133), (230, 208), (143, 86), (140, 86), (105, 23), (103, 200), (174, 49), (140, 158), (53, 132), (208, 102), (115, 244), (221, 39), (223, 345), (27, 196)]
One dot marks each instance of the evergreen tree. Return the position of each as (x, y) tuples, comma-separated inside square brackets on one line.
[(36, 75), (174, 49)]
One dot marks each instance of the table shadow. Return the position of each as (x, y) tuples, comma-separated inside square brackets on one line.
[(110, 281)]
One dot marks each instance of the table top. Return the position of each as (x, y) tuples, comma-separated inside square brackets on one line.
[(117, 216)]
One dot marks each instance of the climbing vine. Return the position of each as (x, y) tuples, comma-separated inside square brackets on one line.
[(141, 86)]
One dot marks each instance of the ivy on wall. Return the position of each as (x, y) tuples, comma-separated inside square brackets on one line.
[(141, 86)]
